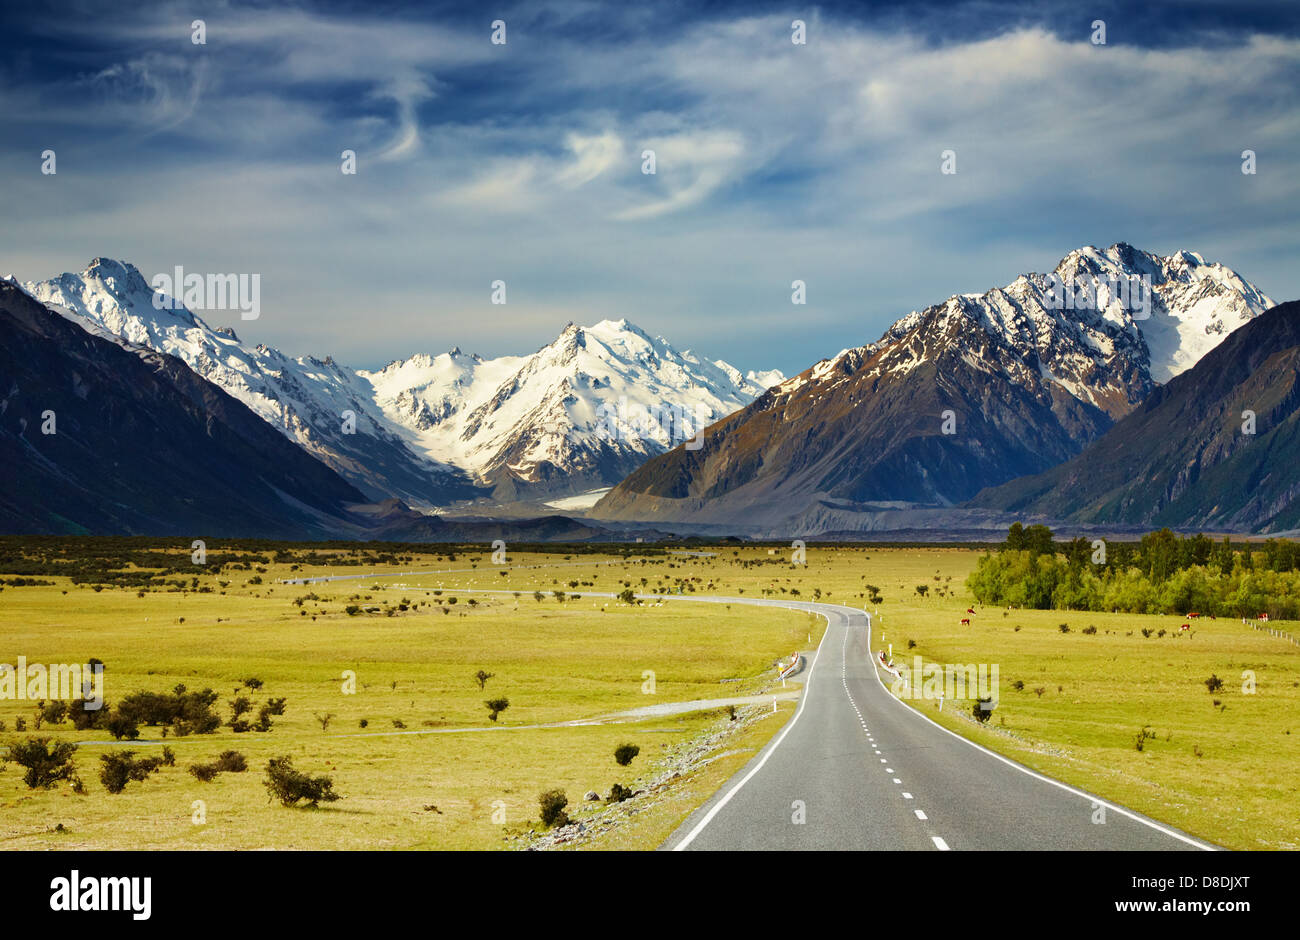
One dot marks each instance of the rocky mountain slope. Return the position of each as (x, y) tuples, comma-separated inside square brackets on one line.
[(140, 444), (968, 393), (1218, 448)]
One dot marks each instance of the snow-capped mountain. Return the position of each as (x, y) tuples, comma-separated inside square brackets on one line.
[(965, 394), (435, 429), (581, 412)]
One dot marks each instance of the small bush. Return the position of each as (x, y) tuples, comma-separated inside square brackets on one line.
[(625, 753), (121, 725), (291, 786), (121, 767), (1214, 684), (618, 793), (228, 762), (982, 709), (47, 762), (496, 706), (552, 804)]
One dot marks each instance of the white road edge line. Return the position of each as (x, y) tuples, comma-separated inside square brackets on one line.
[(1025, 770), (803, 700)]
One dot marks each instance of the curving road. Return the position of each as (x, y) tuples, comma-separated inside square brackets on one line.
[(869, 772), (866, 771)]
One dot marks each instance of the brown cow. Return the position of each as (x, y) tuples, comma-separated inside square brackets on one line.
[(965, 622)]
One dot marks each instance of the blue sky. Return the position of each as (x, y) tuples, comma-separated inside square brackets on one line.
[(522, 162)]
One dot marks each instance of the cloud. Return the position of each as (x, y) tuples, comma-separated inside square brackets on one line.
[(523, 162)]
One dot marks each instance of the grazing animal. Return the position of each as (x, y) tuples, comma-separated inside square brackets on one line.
[(1186, 626), (965, 622), (970, 610)]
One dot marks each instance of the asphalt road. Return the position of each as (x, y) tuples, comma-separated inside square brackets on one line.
[(865, 771), (859, 770)]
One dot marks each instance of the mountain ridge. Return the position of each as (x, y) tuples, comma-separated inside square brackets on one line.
[(392, 444), (964, 394)]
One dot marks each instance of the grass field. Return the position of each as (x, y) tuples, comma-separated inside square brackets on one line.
[(554, 661), (1227, 773)]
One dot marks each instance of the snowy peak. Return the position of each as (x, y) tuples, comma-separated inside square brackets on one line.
[(432, 427), (1151, 318), (546, 419)]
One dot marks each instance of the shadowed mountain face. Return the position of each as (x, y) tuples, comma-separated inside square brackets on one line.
[(141, 444), (1185, 457), (960, 396)]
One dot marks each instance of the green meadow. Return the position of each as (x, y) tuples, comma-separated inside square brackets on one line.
[(431, 770)]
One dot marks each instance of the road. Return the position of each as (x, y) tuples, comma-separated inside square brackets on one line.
[(866, 771), (862, 770)]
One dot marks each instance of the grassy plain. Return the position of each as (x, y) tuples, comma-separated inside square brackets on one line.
[(438, 779), (1228, 773)]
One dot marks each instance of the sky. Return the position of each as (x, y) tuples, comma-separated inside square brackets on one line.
[(523, 161)]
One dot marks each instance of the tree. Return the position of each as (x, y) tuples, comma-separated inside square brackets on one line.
[(496, 706), (481, 677), (1038, 540)]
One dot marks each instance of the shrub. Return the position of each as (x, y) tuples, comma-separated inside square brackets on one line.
[(84, 719), (496, 706), (1214, 684), (121, 767), (121, 725), (228, 762), (47, 762), (624, 753), (291, 786), (982, 709), (482, 677), (186, 712), (552, 804), (1142, 737), (618, 793)]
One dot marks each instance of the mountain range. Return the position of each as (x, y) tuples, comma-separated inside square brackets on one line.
[(1114, 391), (963, 395), (434, 430)]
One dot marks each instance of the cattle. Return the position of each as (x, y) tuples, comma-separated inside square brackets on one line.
[(1186, 626), (970, 610), (1192, 615), (965, 622)]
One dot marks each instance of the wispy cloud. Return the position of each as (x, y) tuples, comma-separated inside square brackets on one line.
[(523, 162)]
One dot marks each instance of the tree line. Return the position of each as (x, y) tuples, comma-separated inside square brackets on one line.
[(1161, 573)]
